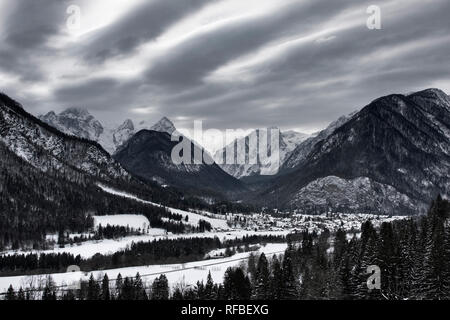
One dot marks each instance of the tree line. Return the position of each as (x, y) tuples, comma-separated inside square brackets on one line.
[(138, 253)]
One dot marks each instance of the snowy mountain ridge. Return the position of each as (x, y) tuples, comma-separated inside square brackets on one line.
[(48, 149), (80, 123)]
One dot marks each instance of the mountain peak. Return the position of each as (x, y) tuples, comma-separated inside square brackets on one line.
[(432, 94), (127, 124), (431, 91), (76, 112), (164, 125), (75, 121)]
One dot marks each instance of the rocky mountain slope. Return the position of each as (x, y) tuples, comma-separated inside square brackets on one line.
[(301, 150), (288, 141), (393, 156), (48, 149)]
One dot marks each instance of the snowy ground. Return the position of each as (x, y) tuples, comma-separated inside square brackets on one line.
[(108, 246), (133, 221), (194, 218), (188, 273)]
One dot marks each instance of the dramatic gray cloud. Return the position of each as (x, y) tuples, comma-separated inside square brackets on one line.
[(232, 63), (190, 61), (26, 28), (144, 23)]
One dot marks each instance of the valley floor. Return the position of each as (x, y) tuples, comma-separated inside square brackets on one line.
[(224, 228)]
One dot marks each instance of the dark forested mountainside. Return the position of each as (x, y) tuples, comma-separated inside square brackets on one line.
[(393, 157), (148, 155), (49, 182), (34, 203), (48, 149)]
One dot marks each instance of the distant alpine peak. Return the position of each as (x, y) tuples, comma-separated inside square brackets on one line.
[(127, 124), (77, 112), (75, 121), (164, 125)]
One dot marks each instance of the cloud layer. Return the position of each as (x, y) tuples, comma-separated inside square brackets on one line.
[(232, 63)]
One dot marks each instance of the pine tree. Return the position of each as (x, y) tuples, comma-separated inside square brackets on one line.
[(418, 257), (434, 260), (289, 284), (200, 290), (49, 291), (386, 256), (21, 295), (236, 285), (48, 294), (210, 293), (128, 289), (344, 273), (160, 288), (276, 279), (10, 294), (139, 289), (93, 291), (446, 257), (368, 257), (408, 248), (262, 285), (119, 285), (177, 294), (105, 292), (251, 267)]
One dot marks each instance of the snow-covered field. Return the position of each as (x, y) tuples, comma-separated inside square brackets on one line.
[(188, 273), (133, 221), (108, 246), (194, 218)]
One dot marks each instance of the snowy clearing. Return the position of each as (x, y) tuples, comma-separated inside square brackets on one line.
[(133, 221), (194, 218), (108, 246)]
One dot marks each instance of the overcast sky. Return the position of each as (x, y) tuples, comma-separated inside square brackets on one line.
[(231, 63)]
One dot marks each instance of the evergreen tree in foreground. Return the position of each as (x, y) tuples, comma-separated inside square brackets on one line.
[(105, 293), (160, 288), (262, 284)]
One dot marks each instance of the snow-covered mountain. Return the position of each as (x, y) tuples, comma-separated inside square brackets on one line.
[(288, 141), (393, 157), (50, 150), (80, 123), (75, 121), (163, 125), (145, 150)]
